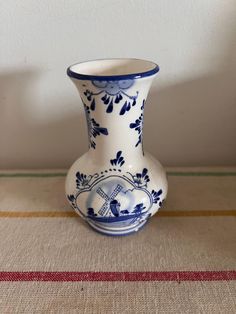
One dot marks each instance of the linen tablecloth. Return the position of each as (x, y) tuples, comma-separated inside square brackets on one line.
[(182, 261)]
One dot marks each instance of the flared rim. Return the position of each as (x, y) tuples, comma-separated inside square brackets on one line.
[(73, 71)]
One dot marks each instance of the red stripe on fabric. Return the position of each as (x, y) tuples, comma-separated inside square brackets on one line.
[(119, 276)]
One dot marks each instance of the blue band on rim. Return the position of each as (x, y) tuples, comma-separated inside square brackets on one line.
[(137, 75)]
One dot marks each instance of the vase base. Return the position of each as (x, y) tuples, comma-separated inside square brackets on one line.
[(118, 232)]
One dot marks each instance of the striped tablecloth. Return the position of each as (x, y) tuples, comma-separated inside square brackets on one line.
[(183, 261)]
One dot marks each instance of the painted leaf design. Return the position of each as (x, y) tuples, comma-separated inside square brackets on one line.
[(123, 109), (110, 107), (92, 106)]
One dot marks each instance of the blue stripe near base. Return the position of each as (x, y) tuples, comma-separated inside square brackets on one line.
[(118, 234)]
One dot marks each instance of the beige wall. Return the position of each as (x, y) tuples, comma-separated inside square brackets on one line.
[(190, 116)]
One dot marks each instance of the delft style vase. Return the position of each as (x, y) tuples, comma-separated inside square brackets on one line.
[(116, 186)]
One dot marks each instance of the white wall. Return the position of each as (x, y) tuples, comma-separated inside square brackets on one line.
[(190, 116)]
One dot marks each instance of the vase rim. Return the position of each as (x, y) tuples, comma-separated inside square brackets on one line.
[(112, 69)]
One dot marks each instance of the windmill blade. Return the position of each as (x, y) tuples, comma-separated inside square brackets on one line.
[(116, 191), (105, 207), (103, 210), (103, 194)]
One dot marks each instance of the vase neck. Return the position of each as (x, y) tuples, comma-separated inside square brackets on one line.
[(114, 112), (111, 134)]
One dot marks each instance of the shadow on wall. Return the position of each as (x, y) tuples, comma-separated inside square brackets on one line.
[(194, 122), (27, 144)]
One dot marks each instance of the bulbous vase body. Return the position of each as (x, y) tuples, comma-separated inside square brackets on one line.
[(116, 186)]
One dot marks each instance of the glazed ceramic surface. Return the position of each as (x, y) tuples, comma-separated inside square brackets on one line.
[(116, 186)]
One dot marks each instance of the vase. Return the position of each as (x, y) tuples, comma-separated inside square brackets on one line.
[(116, 186)]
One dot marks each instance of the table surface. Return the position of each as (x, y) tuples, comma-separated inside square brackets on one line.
[(182, 261)]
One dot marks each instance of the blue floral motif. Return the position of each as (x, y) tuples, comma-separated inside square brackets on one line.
[(113, 87), (94, 128), (83, 180), (138, 126), (89, 97), (119, 160), (142, 107), (112, 92), (71, 199), (139, 208), (141, 179), (155, 195)]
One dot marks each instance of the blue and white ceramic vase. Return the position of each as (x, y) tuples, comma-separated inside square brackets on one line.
[(116, 186)]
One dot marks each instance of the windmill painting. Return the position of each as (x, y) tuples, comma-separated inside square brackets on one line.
[(111, 204), (110, 212)]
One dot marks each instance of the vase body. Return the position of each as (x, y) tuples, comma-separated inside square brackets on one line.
[(116, 186)]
